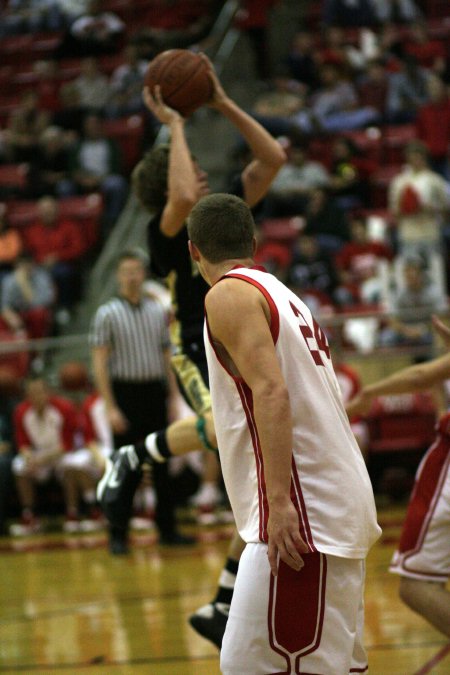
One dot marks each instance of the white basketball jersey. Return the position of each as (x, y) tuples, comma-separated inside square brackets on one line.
[(330, 485)]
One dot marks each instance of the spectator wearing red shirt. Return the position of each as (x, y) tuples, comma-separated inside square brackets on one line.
[(45, 427), (433, 126), (57, 244), (429, 53), (358, 265)]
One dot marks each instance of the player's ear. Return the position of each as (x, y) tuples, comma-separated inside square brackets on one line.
[(193, 250)]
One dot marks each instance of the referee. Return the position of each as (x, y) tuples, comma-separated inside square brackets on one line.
[(131, 363)]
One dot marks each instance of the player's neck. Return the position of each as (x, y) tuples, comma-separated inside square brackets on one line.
[(216, 272)]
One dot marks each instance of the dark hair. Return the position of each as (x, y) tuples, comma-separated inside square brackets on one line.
[(133, 254), (149, 178), (222, 228)]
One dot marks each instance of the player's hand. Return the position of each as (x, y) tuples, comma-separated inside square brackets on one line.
[(284, 537), (441, 329), (219, 96), (118, 421), (154, 102), (358, 405)]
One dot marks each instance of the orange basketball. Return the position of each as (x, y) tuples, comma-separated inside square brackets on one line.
[(183, 78), (73, 376)]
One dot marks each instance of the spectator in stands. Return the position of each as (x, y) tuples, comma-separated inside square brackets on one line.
[(358, 265), (373, 87), (49, 169), (96, 165), (10, 243), (301, 60), (92, 34), (430, 54), (24, 16), (57, 244), (418, 198), (28, 295), (334, 106), (326, 222), (337, 50), (349, 13), (48, 85), (311, 274), (25, 126), (433, 126), (70, 117), (126, 84), (407, 91), (412, 307), (347, 185), (45, 429), (294, 182), (92, 86), (396, 11)]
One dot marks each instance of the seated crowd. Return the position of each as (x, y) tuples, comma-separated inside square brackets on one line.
[(357, 221)]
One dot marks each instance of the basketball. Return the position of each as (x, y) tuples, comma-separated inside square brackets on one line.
[(183, 78), (73, 376)]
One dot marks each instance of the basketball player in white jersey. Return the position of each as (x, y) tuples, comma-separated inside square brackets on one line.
[(423, 556), (297, 482)]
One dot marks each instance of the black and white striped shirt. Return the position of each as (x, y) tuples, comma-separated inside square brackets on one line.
[(137, 335)]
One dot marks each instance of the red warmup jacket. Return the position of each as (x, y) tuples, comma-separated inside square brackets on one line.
[(433, 127), (64, 240)]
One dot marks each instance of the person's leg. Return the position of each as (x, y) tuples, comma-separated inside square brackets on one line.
[(301, 620), (429, 599), (211, 619)]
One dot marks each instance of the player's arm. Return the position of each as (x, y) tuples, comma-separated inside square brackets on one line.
[(183, 185), (100, 358), (414, 378), (249, 344), (268, 155)]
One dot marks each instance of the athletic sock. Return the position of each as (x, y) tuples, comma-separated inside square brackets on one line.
[(156, 446), (227, 580)]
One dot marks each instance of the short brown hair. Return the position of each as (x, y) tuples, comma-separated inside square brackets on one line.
[(149, 178), (222, 228)]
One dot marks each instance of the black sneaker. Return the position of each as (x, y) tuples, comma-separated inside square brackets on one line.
[(118, 541), (210, 623), (116, 489)]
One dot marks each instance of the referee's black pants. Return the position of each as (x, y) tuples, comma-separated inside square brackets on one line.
[(144, 406)]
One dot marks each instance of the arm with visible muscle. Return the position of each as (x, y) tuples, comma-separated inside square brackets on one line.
[(251, 348)]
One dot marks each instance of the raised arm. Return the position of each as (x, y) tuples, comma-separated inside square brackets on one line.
[(268, 155), (185, 183), (253, 354)]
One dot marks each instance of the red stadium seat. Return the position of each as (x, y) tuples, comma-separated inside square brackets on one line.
[(86, 210), (18, 361), (13, 175), (368, 142), (395, 139), (284, 230), (402, 423)]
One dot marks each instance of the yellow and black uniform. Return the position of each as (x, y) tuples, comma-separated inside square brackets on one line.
[(170, 259)]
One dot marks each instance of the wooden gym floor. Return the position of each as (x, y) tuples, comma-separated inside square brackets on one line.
[(67, 606)]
